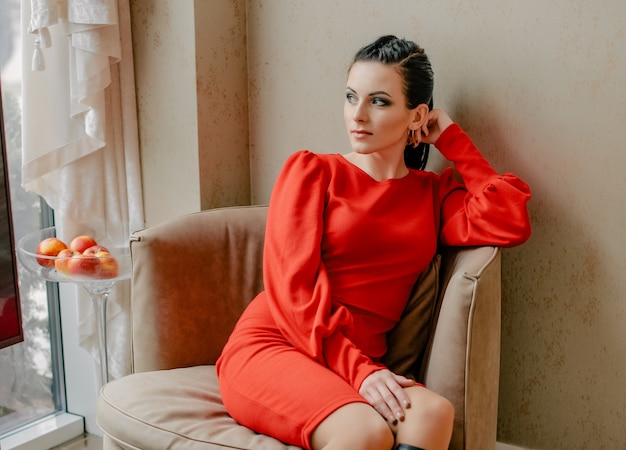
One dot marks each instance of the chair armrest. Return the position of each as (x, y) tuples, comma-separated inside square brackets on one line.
[(464, 359), (192, 278)]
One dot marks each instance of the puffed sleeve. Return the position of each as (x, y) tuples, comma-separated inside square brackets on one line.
[(296, 281), (487, 208)]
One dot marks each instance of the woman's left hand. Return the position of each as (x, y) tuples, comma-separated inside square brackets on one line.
[(384, 390), (435, 124)]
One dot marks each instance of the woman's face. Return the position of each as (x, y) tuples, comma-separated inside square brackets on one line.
[(375, 111)]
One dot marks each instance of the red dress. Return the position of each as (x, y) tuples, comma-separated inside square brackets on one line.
[(342, 252)]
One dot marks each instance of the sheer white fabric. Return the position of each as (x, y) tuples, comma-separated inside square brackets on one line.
[(80, 142)]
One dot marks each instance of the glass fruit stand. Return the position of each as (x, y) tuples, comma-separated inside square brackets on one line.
[(96, 269)]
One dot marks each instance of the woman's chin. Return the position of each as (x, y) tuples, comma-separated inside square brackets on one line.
[(362, 150)]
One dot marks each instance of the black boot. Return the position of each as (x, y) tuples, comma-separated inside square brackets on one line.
[(408, 447)]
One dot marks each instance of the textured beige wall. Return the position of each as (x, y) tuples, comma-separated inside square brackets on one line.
[(190, 65), (165, 78), (541, 87), (222, 89)]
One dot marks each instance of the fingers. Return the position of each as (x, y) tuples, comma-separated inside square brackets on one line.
[(385, 392), (430, 126), (436, 122), (432, 123), (404, 381), (425, 129)]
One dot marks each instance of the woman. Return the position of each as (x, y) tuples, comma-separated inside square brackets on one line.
[(347, 236)]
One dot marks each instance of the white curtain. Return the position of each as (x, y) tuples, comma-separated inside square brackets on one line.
[(80, 139)]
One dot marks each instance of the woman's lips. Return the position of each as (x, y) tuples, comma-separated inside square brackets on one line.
[(360, 133)]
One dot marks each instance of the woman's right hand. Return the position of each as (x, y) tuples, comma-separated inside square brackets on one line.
[(384, 390), (435, 124)]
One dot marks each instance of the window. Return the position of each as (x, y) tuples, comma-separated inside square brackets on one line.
[(10, 313), (31, 371)]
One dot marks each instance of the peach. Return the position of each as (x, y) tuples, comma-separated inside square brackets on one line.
[(83, 266), (81, 243), (95, 249), (98, 265), (109, 267), (49, 247), (62, 259)]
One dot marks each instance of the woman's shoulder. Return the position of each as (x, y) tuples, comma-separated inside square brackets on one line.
[(309, 155), (309, 160), (306, 166), (425, 175)]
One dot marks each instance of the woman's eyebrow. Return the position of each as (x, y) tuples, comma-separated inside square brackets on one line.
[(371, 94)]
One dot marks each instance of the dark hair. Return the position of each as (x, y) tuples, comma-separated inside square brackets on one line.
[(417, 74)]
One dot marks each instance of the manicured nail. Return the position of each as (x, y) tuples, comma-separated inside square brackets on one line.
[(406, 404)]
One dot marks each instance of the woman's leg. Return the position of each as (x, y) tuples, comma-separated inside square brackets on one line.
[(428, 422), (269, 386), (353, 426)]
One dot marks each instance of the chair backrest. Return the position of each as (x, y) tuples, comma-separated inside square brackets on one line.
[(463, 363), (192, 278)]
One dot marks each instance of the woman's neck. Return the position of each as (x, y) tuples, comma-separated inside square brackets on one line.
[(377, 166)]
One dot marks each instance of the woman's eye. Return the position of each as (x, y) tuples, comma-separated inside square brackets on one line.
[(350, 97), (377, 101)]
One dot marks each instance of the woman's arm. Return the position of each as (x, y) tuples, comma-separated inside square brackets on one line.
[(295, 277), (487, 208)]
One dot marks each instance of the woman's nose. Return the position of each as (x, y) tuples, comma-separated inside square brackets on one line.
[(359, 113)]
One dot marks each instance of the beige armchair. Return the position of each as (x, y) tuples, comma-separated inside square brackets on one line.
[(192, 278)]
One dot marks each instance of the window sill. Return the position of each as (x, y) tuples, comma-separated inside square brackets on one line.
[(45, 433)]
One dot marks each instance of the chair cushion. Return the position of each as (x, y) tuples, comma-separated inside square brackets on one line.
[(407, 342), (177, 408)]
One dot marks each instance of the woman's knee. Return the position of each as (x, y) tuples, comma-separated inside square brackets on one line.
[(441, 409), (430, 409), (356, 425)]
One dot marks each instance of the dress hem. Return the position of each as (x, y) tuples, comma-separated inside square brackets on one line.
[(310, 427)]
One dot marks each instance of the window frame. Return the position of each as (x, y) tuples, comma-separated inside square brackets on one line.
[(15, 317)]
